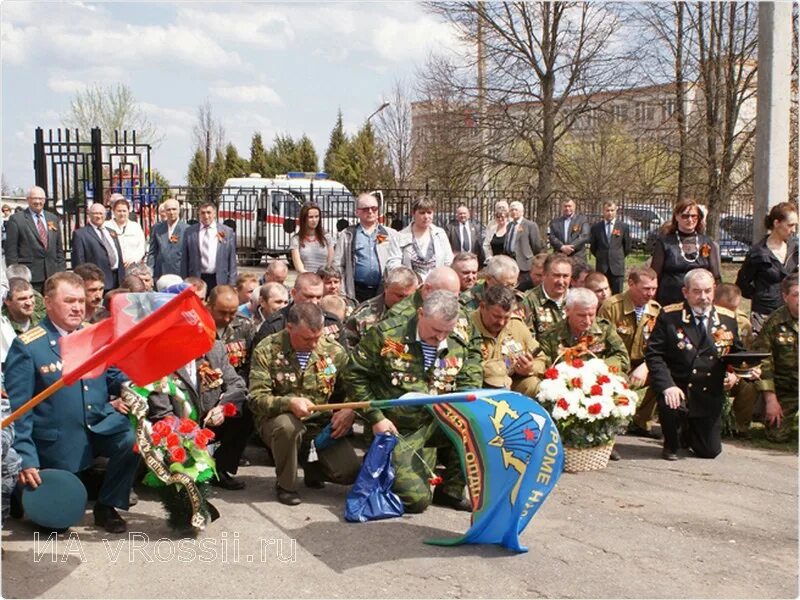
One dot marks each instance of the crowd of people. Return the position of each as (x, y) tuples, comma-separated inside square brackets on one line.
[(374, 313)]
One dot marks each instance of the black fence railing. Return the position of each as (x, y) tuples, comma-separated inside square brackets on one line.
[(264, 218)]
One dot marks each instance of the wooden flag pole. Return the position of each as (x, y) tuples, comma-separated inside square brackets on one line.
[(37, 399), (341, 406)]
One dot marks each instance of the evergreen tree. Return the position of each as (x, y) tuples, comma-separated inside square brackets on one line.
[(362, 164), (337, 142), (282, 157), (216, 177), (197, 177), (306, 156), (235, 165), (258, 156)]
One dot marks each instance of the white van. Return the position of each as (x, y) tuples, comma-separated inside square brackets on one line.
[(264, 211)]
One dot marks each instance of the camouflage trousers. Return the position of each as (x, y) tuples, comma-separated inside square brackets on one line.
[(10, 472), (646, 411), (788, 429), (415, 457)]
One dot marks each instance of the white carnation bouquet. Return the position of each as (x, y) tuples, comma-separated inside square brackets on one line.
[(590, 401)]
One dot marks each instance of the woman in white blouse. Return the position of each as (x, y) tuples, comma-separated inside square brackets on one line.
[(422, 246), (129, 233)]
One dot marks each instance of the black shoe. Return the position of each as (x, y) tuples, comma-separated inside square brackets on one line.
[(442, 499), (108, 517), (667, 455), (288, 498), (642, 432), (133, 498), (614, 455), (228, 482), (312, 477)]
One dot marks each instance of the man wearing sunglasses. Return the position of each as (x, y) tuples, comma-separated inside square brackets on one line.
[(362, 251)]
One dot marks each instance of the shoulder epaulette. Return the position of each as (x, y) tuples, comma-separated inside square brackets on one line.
[(32, 334), (673, 307), (724, 311)]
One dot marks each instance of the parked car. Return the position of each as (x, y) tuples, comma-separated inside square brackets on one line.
[(637, 233), (730, 249), (740, 228)]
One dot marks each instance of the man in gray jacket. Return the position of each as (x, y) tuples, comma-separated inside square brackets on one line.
[(362, 251), (523, 242)]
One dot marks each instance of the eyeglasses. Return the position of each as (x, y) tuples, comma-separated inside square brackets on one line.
[(690, 216), (369, 208)]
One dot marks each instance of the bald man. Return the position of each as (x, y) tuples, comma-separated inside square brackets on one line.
[(441, 278), (166, 240), (33, 238)]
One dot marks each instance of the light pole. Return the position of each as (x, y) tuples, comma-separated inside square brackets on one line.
[(380, 108)]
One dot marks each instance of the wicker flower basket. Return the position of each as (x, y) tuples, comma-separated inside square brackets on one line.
[(577, 460)]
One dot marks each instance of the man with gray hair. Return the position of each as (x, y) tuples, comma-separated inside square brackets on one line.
[(143, 272), (399, 284), (293, 370), (465, 264), (33, 237), (523, 242), (684, 356), (424, 354), (440, 278), (584, 333), (500, 270)]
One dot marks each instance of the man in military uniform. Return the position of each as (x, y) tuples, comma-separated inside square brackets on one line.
[(308, 287), (633, 314), (500, 270), (77, 422), (331, 276), (582, 331), (234, 330), (684, 356), (440, 278), (544, 304), (507, 346), (19, 306), (293, 370), (399, 284), (425, 353), (778, 385), (745, 392), (465, 264)]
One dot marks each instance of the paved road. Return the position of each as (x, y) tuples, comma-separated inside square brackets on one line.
[(642, 528)]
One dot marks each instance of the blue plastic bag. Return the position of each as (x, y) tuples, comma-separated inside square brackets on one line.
[(371, 497)]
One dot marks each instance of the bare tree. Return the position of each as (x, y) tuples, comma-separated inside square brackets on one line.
[(208, 133), (111, 108), (545, 64), (394, 130)]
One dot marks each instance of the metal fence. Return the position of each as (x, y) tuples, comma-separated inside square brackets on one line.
[(265, 218)]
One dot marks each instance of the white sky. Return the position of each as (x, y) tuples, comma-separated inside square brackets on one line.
[(268, 67)]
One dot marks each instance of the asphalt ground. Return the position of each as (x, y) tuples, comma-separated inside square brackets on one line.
[(641, 528)]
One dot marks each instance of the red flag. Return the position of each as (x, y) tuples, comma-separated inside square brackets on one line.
[(148, 336)]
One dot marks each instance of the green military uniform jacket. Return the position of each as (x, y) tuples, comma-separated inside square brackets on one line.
[(471, 299), (406, 307), (499, 352), (363, 317), (745, 330), (276, 376), (541, 312), (601, 340), (620, 312), (36, 317), (388, 362), (779, 337), (237, 338)]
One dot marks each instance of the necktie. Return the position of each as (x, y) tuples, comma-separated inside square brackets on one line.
[(608, 230), (701, 328), (205, 250), (512, 229), (40, 227), (464, 237), (110, 250)]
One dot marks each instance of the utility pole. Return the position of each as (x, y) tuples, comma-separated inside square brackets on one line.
[(771, 168)]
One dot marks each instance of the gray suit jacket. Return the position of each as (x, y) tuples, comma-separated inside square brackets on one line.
[(225, 268), (578, 235), (24, 247), (232, 389), (163, 256), (527, 243), (343, 257)]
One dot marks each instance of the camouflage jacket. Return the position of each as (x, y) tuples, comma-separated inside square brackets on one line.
[(363, 317), (601, 340), (406, 307), (619, 311), (541, 312), (779, 337), (499, 352), (471, 299), (237, 338), (36, 317), (388, 362), (276, 376)]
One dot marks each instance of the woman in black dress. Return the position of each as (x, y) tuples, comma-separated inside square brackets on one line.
[(682, 246), (769, 262), (495, 237)]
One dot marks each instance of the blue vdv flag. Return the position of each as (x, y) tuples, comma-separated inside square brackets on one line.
[(512, 455)]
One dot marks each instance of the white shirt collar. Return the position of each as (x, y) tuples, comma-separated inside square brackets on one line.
[(60, 331), (546, 295)]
